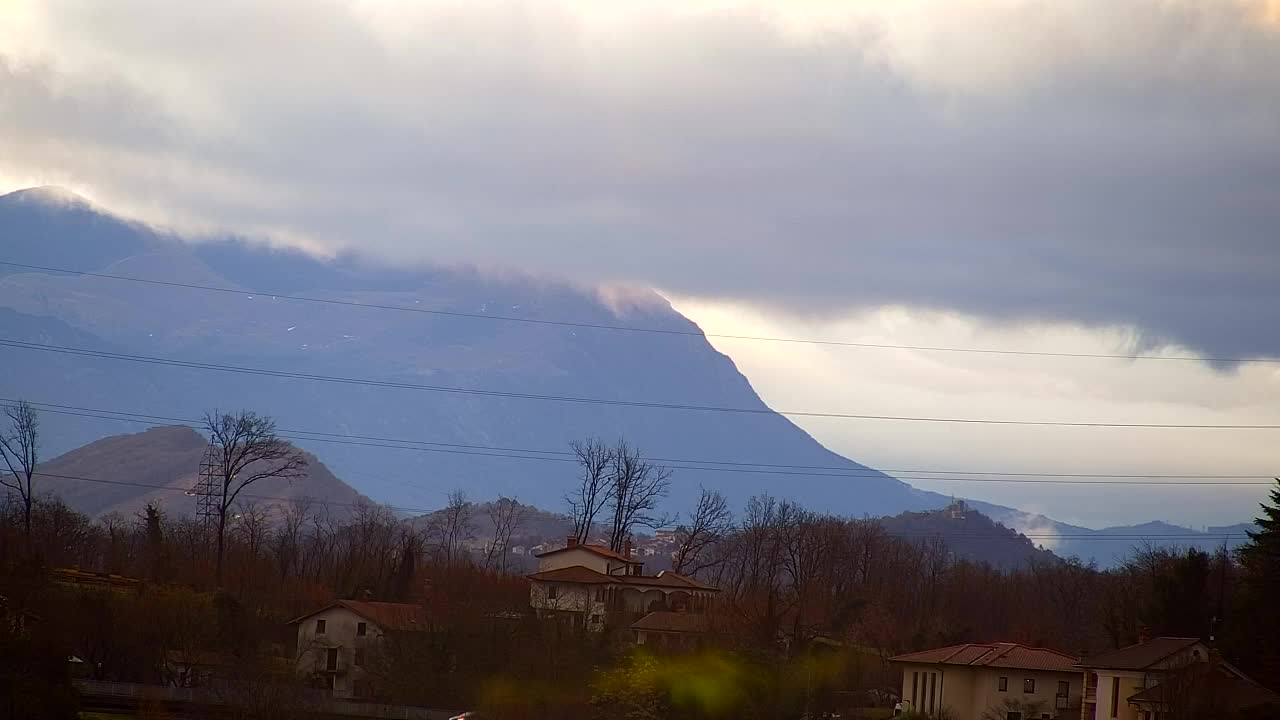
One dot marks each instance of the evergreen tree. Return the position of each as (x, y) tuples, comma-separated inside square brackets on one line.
[(1261, 563), (1261, 557)]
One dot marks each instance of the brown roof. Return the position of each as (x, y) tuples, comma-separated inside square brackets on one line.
[(1140, 656), (675, 622), (386, 615), (574, 574), (665, 578), (585, 575), (600, 550), (1000, 655), (1222, 685)]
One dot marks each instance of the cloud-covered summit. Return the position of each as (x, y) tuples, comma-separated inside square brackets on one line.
[(1094, 162)]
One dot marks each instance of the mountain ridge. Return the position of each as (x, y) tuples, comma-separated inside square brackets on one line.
[(254, 329)]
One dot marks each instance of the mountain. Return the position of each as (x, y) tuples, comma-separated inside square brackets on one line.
[(411, 443), (969, 535), (159, 465), (1111, 546), (424, 432)]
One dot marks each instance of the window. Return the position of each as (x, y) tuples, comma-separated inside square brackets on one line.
[(1115, 695), (319, 627), (1002, 685), (1029, 685), (357, 658), (553, 592), (362, 629), (933, 691), (1064, 688), (915, 684), (331, 659)]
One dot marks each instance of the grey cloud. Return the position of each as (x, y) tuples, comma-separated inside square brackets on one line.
[(1119, 165)]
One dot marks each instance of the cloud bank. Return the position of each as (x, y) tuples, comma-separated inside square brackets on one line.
[(1098, 162)]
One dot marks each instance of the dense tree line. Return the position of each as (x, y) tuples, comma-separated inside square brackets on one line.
[(811, 604)]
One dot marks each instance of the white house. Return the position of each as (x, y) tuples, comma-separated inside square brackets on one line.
[(981, 679), (334, 642), (594, 586), (1165, 675)]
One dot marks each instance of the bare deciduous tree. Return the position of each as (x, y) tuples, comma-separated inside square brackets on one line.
[(636, 489), (710, 521), (20, 448), (452, 528), (595, 459), (506, 514), (246, 450)]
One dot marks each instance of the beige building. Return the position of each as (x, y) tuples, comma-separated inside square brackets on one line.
[(1164, 675), (335, 642), (1006, 680), (595, 587)]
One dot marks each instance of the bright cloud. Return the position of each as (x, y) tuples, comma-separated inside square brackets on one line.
[(935, 384)]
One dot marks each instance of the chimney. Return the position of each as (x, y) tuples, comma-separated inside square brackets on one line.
[(1144, 635), (571, 541), (626, 548)]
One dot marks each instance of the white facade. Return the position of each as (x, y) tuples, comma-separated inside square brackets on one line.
[(332, 646), (968, 692), (582, 557), (1107, 697), (590, 583)]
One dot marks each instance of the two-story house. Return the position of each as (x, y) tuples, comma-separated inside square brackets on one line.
[(976, 680), (335, 642), (1165, 675), (594, 586)]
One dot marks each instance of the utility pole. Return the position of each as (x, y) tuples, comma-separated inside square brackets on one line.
[(1222, 598)]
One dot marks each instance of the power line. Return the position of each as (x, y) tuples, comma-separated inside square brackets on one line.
[(866, 472), (1013, 535), (400, 444), (632, 328), (187, 491), (335, 379)]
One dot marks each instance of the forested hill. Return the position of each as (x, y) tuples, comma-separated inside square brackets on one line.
[(121, 474), (968, 535)]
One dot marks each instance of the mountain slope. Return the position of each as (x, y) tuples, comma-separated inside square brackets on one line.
[(168, 457), (256, 330), (969, 535)]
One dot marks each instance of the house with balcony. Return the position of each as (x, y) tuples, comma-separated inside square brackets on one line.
[(593, 587), (336, 641), (1166, 676), (976, 680)]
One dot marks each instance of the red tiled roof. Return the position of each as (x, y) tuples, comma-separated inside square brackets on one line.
[(1002, 655), (677, 622), (388, 616), (574, 574), (1139, 656), (600, 550)]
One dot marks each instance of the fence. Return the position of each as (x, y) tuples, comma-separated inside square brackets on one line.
[(316, 701)]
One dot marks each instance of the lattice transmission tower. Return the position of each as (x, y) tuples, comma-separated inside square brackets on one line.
[(208, 487)]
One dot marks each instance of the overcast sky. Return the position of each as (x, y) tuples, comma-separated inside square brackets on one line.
[(1095, 174)]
